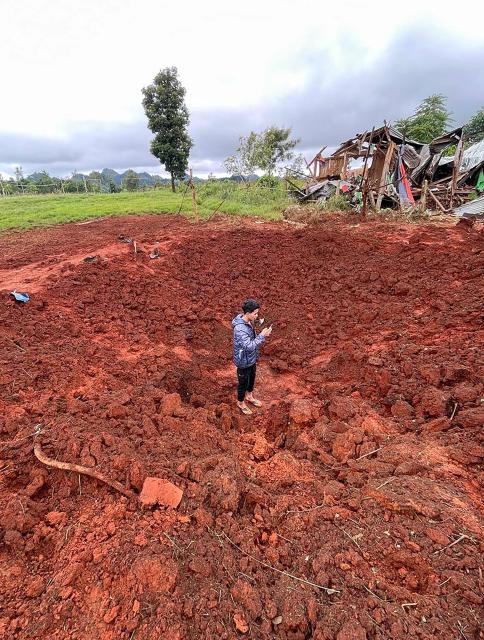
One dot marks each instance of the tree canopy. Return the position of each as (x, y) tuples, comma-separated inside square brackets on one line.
[(430, 120), (264, 151), (168, 118), (474, 129)]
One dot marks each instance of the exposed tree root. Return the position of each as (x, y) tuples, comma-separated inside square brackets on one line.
[(76, 468)]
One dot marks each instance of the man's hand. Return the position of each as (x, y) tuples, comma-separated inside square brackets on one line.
[(266, 331)]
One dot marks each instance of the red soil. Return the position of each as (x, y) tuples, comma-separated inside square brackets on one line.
[(360, 474)]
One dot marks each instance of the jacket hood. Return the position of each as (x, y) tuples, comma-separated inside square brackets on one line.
[(238, 320)]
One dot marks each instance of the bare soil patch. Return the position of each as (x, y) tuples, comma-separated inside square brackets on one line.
[(348, 507)]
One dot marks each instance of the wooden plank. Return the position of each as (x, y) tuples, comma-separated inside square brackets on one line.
[(456, 169), (386, 166), (437, 201)]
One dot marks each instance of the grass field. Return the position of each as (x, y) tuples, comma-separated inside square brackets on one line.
[(22, 212)]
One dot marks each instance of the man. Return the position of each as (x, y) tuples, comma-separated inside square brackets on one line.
[(246, 352)]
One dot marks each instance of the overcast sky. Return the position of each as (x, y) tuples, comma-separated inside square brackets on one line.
[(72, 73)]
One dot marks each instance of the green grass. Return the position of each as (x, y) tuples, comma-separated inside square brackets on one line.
[(23, 212)]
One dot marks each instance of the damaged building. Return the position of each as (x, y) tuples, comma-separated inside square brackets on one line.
[(381, 168)]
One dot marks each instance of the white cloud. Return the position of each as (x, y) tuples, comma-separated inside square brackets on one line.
[(65, 63)]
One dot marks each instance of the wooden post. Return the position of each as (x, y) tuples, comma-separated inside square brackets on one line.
[(455, 171), (386, 164), (365, 174), (423, 196), (194, 196)]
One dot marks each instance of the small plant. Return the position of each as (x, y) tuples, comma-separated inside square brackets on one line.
[(336, 202), (269, 182)]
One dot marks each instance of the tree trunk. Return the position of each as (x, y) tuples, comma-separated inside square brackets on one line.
[(173, 183)]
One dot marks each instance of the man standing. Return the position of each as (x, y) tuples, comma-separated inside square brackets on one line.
[(246, 352)]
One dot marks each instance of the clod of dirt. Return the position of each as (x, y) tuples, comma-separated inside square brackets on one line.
[(302, 411), (162, 492)]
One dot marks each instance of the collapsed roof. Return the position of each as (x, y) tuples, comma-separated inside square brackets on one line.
[(397, 171)]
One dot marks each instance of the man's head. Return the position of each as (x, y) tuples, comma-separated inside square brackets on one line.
[(251, 309)]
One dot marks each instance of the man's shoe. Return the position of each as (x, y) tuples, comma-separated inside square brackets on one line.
[(255, 402), (245, 409)]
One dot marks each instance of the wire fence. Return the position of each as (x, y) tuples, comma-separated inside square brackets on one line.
[(26, 186)]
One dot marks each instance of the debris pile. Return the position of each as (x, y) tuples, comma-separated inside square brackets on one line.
[(393, 172)]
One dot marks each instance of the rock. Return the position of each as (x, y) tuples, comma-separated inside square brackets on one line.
[(35, 587), (432, 403), (351, 630), (140, 540), (430, 373), (437, 424), (342, 408), (261, 450), (465, 392), (161, 492), (56, 517), (301, 411), (456, 373), (438, 537), (240, 622), (111, 614), (171, 404), (470, 417), (136, 473), (117, 411), (35, 485), (343, 447), (402, 409), (13, 538), (246, 595), (225, 485), (203, 517), (152, 574)]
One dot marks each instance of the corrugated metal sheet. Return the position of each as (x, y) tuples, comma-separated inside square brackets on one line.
[(472, 208), (471, 157)]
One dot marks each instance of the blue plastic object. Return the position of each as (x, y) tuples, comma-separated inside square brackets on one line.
[(20, 297)]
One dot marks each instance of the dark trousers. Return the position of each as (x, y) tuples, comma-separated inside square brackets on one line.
[(246, 381)]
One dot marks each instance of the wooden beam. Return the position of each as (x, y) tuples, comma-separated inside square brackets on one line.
[(456, 169), (382, 184), (437, 201)]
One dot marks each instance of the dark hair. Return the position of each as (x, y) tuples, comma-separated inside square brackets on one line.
[(250, 305)]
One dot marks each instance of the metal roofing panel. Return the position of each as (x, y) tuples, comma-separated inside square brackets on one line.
[(471, 157), (472, 208)]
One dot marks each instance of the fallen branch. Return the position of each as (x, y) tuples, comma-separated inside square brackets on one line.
[(77, 468), (284, 573)]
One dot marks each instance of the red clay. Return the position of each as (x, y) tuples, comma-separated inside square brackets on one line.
[(361, 474)]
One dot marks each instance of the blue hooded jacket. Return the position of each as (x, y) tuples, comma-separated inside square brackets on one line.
[(246, 343)]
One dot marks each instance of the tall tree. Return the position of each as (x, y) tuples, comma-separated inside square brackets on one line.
[(274, 146), (430, 120), (264, 151), (168, 118), (474, 129), (19, 174), (244, 162)]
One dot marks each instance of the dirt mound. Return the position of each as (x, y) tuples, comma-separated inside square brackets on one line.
[(348, 507)]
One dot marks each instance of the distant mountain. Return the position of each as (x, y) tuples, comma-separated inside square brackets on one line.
[(252, 178), (144, 177)]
